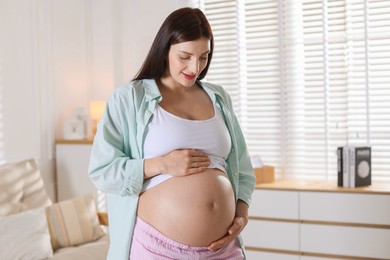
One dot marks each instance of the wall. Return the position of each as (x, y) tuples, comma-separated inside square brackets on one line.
[(63, 55), (98, 45), (17, 81)]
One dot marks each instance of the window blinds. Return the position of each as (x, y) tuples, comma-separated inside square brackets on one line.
[(306, 76)]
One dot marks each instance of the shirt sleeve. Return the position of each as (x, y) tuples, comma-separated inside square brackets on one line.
[(246, 178), (111, 168)]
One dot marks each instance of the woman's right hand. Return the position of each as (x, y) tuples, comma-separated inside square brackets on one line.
[(185, 162), (181, 162)]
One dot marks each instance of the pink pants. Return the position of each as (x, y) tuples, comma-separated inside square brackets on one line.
[(148, 244)]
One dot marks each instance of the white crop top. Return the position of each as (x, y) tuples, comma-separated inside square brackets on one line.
[(168, 132)]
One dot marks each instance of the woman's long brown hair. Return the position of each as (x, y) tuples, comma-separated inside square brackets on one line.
[(185, 24)]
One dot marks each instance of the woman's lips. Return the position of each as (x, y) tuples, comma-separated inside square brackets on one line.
[(189, 77)]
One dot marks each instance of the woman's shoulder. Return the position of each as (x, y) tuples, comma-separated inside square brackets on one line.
[(217, 89), (214, 87), (127, 88), (133, 88)]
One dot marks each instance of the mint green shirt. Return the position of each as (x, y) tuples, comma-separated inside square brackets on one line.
[(117, 165)]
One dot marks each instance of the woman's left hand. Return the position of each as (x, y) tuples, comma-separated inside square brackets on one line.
[(239, 223)]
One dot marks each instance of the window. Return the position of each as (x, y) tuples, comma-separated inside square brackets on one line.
[(306, 76)]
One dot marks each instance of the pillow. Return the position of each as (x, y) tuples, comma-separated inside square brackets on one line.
[(73, 222), (21, 188), (25, 236)]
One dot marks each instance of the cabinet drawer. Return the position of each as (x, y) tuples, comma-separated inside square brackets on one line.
[(346, 241), (345, 207), (274, 204), (271, 234), (256, 255), (319, 258)]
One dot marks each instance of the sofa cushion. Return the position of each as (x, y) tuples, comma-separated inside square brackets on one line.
[(73, 222), (21, 188), (27, 236)]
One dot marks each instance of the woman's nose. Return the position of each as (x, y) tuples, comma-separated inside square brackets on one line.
[(194, 66)]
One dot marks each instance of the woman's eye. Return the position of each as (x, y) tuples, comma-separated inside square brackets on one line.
[(184, 58), (203, 58)]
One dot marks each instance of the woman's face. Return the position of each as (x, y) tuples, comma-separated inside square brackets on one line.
[(187, 60)]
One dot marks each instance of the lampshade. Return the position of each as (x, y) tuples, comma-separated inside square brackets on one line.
[(96, 109)]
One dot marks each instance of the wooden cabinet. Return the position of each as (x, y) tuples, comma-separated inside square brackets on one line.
[(367, 208), (265, 230), (318, 221), (344, 240), (275, 204), (72, 160), (259, 255)]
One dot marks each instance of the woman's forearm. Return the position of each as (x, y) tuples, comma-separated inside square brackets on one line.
[(242, 210), (153, 167)]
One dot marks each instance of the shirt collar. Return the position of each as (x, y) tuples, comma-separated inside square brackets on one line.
[(151, 89), (152, 92), (213, 92)]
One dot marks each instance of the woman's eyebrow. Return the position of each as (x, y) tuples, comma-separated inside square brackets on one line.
[(186, 52)]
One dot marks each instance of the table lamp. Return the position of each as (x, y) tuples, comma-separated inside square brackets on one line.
[(96, 109)]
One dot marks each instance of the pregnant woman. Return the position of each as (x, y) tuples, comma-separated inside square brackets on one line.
[(171, 156)]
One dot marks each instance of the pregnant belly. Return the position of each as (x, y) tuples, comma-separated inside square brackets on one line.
[(194, 210)]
